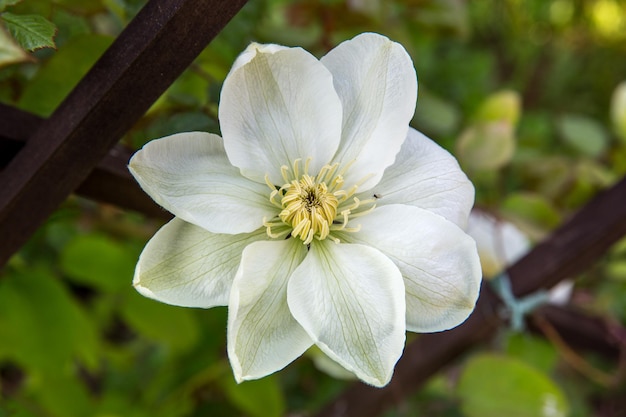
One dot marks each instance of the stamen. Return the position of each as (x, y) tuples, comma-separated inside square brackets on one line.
[(313, 207), (284, 170)]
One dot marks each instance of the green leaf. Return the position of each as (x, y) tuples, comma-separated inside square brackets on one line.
[(99, 262), (618, 110), (487, 146), (501, 106), (436, 115), (583, 134), (10, 52), (617, 270), (260, 398), (62, 394), (494, 386), (85, 7), (532, 350), (532, 208), (61, 73), (5, 3), (31, 31), (42, 327), (174, 326)]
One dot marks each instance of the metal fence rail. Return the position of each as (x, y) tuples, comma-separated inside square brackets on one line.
[(159, 43)]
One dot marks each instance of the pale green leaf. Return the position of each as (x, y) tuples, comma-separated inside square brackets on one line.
[(486, 146), (494, 386), (501, 106), (532, 350), (532, 208), (618, 110), (10, 52), (436, 115), (61, 73), (31, 31), (583, 134)]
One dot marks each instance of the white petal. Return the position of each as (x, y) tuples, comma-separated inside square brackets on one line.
[(500, 243), (263, 336), (251, 51), (427, 176), (438, 261), (377, 85), (276, 107), (190, 175), (350, 299), (187, 266)]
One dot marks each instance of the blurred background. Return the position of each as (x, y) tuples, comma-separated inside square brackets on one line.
[(529, 95)]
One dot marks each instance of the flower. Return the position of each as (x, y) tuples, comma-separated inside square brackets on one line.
[(500, 243), (313, 219)]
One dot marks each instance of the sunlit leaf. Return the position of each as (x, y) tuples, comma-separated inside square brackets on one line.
[(618, 110), (486, 146), (82, 6), (494, 386), (10, 52), (99, 262), (30, 31), (501, 106), (533, 213), (41, 326), (583, 134), (61, 73), (534, 351), (617, 270)]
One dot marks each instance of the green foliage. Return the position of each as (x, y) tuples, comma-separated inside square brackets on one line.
[(61, 73), (43, 326), (32, 32), (528, 95), (5, 3), (260, 398), (10, 52), (98, 261), (495, 386), (20, 33), (583, 134)]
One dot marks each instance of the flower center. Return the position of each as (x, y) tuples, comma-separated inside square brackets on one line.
[(309, 208), (313, 206)]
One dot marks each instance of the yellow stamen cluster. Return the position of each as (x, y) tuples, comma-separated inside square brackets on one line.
[(314, 206)]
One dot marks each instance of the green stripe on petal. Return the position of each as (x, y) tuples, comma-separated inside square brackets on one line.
[(350, 299), (187, 266), (263, 336)]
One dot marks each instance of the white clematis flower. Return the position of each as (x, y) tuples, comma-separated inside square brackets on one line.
[(500, 243), (319, 218)]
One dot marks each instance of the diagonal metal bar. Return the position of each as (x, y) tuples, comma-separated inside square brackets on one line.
[(568, 251), (109, 182), (576, 245), (153, 50)]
